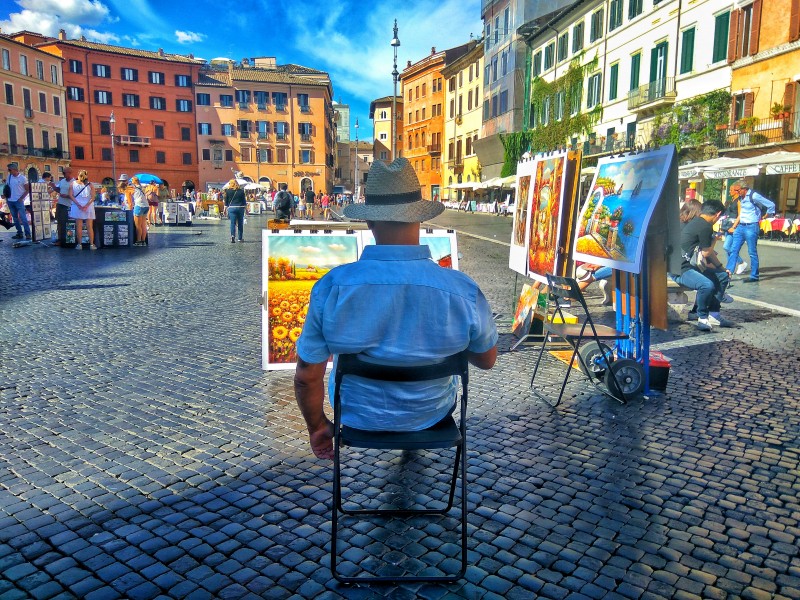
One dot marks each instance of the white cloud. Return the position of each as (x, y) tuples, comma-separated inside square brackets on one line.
[(354, 48), (77, 17), (188, 37)]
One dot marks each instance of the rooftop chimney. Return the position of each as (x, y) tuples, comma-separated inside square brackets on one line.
[(62, 34), (83, 38), (161, 52), (408, 65), (433, 49)]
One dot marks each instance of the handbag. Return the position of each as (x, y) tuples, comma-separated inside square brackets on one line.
[(696, 259)]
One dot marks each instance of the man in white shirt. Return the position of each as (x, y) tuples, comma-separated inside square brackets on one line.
[(19, 192), (62, 205)]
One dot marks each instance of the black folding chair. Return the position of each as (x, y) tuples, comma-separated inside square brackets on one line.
[(445, 434), (596, 360)]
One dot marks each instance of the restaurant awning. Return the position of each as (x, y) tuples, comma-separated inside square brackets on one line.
[(726, 167)]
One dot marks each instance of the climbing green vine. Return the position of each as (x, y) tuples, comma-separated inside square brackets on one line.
[(553, 118), (694, 122)]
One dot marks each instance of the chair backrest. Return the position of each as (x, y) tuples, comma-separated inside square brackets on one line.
[(361, 366), (567, 288)]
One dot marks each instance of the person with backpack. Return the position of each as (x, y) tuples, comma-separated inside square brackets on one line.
[(284, 204), (151, 193), (235, 203), (752, 207), (141, 208)]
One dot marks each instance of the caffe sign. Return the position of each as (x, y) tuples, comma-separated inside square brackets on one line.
[(783, 168)]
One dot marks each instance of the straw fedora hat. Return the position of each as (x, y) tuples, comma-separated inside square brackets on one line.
[(393, 194)]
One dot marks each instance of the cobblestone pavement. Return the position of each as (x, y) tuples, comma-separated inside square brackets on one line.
[(145, 454)]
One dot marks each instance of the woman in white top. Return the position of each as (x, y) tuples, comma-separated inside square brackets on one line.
[(81, 194), (141, 209)]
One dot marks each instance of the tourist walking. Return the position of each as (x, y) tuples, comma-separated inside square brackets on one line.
[(752, 207), (235, 203)]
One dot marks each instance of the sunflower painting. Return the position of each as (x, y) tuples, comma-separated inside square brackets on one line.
[(293, 264)]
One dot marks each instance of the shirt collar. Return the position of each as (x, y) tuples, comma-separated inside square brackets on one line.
[(376, 252)]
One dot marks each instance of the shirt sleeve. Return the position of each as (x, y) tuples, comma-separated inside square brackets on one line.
[(483, 334), (311, 346)]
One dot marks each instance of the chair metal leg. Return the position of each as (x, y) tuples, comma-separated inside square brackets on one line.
[(539, 359), (460, 461), (566, 376)]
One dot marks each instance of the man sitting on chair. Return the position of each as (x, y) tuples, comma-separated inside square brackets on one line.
[(394, 305)]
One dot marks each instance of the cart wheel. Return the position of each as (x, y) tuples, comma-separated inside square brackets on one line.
[(630, 376), (596, 356)]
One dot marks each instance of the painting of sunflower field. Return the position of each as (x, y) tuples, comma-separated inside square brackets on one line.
[(293, 264)]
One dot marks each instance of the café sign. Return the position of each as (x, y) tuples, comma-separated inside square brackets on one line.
[(783, 168), (731, 173)]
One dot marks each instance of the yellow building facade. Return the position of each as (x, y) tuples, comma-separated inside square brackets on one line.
[(462, 121), (380, 112)]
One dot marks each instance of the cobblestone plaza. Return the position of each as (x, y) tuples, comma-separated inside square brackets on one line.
[(145, 454)]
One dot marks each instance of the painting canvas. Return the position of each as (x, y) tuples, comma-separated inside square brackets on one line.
[(293, 263), (442, 243), (544, 218), (517, 253), (524, 312), (612, 227)]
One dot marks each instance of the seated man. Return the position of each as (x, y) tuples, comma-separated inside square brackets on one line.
[(712, 281), (395, 305)]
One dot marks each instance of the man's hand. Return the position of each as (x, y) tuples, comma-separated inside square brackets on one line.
[(309, 391), (322, 440)]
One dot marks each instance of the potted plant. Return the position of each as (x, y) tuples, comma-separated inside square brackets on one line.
[(780, 111), (747, 124)]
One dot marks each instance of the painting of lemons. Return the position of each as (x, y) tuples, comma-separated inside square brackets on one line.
[(295, 263)]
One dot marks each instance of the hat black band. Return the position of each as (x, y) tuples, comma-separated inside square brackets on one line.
[(406, 198)]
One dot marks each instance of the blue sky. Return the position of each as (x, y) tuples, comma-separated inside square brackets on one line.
[(347, 38)]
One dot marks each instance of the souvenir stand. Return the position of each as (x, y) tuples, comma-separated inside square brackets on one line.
[(541, 238), (40, 208), (113, 227), (176, 213), (629, 223), (296, 255)]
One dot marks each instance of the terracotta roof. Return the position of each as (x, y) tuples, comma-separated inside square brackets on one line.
[(300, 69), (130, 51), (214, 78), (273, 76)]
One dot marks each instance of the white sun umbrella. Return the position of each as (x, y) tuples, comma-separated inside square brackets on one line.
[(252, 186)]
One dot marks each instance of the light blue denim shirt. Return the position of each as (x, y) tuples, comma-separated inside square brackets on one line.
[(398, 306)]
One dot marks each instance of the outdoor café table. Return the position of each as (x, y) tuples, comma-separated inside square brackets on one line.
[(776, 224)]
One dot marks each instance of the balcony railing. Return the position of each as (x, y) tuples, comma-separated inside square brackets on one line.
[(281, 136), (280, 107), (262, 107), (434, 149), (243, 105), (655, 93), (757, 132), (305, 108), (305, 137), (28, 113), (132, 140), (244, 135), (263, 135), (23, 150)]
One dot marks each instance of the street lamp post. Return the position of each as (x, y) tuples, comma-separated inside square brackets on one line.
[(357, 190), (395, 43), (112, 120)]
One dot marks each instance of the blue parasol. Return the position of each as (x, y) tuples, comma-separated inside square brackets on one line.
[(148, 178)]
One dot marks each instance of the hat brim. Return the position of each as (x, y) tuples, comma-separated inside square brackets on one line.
[(409, 212)]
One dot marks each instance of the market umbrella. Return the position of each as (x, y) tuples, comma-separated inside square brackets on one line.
[(148, 178), (252, 186)]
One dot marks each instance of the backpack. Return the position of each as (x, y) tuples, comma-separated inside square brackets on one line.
[(765, 206), (152, 196), (282, 202)]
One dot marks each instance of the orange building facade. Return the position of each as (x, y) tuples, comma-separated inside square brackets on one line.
[(33, 129), (765, 85), (423, 127), (151, 98), (272, 123)]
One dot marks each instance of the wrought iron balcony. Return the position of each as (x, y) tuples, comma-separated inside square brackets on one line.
[(653, 95), (280, 107), (132, 140), (28, 113), (434, 149), (757, 132), (262, 107), (263, 135), (305, 108), (23, 150), (305, 137)]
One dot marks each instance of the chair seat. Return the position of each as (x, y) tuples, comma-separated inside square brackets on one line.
[(444, 434), (573, 331)]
